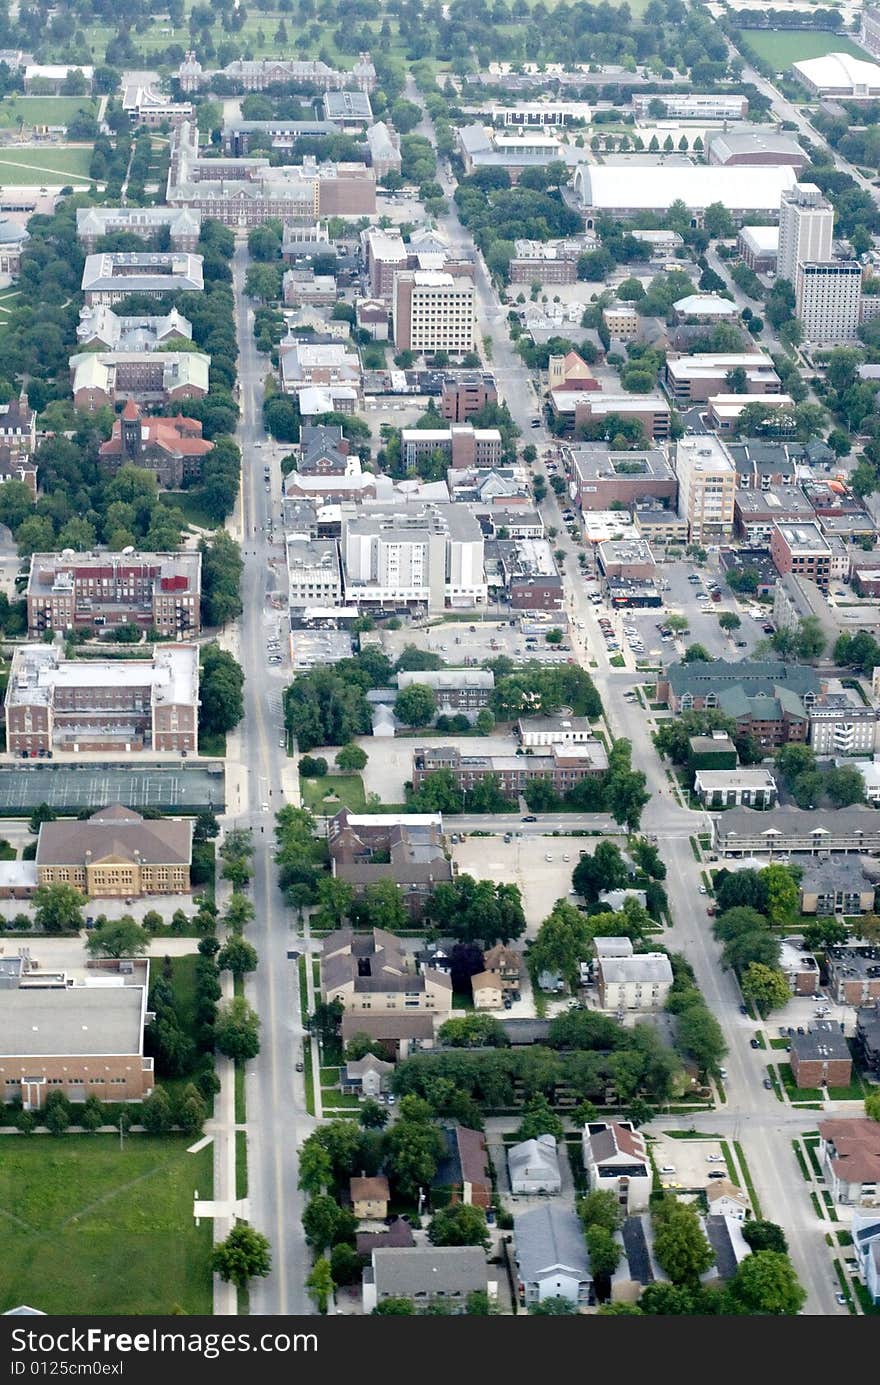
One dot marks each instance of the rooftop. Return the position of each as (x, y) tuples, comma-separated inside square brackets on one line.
[(548, 1237), (103, 1017)]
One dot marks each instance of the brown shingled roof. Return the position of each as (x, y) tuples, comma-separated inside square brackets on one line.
[(369, 1189)]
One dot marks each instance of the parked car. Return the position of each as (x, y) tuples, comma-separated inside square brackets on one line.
[(768, 1084), (718, 1173), (754, 1043)]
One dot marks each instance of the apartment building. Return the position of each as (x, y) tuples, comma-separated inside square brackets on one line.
[(116, 853), (616, 1160), (828, 298), (314, 578), (371, 972), (80, 1034), (806, 223), (849, 1152), (604, 478), (121, 706), (758, 247), (563, 765), (753, 787), (836, 887), (802, 549), (695, 379), (840, 723), (101, 591), (429, 556), (768, 699), (434, 311), (580, 408), (782, 831), (183, 226), (385, 254), (99, 379), (757, 512), (821, 1056), (108, 278), (854, 971), (464, 394), (706, 488), (408, 850), (632, 980), (463, 445)]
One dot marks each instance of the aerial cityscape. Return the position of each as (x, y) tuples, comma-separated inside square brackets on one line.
[(440, 658)]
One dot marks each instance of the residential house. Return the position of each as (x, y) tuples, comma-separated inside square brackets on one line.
[(729, 1246), (369, 1197), (368, 1076), (727, 1200), (533, 1167), (507, 964), (371, 973), (849, 1152), (487, 991), (866, 1243), (463, 1171), (400, 1034), (616, 1160), (425, 1275), (397, 1236), (821, 1056), (551, 1256)]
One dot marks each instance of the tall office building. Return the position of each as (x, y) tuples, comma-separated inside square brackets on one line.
[(433, 311), (806, 222), (828, 298), (706, 487)]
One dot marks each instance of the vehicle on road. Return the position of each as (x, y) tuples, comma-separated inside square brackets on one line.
[(668, 1168), (754, 1043), (529, 817), (300, 1067), (768, 1084)]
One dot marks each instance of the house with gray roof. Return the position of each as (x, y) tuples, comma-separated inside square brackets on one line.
[(425, 1275), (551, 1256), (533, 1166)]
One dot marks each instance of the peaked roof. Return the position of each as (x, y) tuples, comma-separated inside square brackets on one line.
[(548, 1237)]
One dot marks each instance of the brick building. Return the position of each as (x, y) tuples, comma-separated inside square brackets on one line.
[(564, 765), (465, 394), (120, 706), (853, 974), (803, 549), (100, 591), (410, 851), (604, 478), (98, 379), (172, 448), (79, 1035), (116, 854), (821, 1056)]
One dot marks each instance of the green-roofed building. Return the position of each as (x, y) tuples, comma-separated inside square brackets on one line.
[(768, 699)]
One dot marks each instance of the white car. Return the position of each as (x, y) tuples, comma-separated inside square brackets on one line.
[(703, 889), (547, 856)]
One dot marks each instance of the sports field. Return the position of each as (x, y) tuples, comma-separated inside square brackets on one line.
[(89, 1228), (48, 164), (782, 47)]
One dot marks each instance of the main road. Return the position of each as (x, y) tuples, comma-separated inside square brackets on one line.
[(276, 1114)]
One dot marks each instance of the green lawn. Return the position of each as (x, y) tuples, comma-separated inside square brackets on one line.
[(796, 1093), (241, 1168), (334, 791), (29, 166), (89, 1229), (188, 502), (213, 745), (43, 110), (783, 47)]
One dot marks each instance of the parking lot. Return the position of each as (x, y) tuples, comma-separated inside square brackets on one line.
[(456, 642), (691, 1162), (523, 862)]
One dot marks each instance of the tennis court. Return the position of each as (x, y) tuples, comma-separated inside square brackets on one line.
[(70, 788)]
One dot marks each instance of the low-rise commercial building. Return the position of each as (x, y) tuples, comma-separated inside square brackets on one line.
[(461, 444), (603, 478), (576, 408), (802, 549), (696, 379), (758, 511), (628, 559), (123, 706), (101, 591)]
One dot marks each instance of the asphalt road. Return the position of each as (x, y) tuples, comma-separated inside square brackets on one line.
[(277, 1118)]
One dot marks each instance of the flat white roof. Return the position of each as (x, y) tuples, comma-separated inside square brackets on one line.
[(838, 70), (763, 239), (653, 189)]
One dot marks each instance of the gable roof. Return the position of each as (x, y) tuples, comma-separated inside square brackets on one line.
[(538, 1156), (403, 1273), (548, 1237)]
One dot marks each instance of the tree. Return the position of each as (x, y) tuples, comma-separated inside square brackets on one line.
[(118, 938), (556, 1307), (157, 1117), (236, 1030), (766, 1283), (600, 1208), (58, 908), (764, 1235), (825, 932), (416, 705), (603, 1250), (459, 1225), (781, 893), (793, 760), (42, 813), (321, 1221), (844, 786), (604, 870), (335, 900), (221, 705), (699, 1035), (315, 1168), (381, 906), (243, 1256), (765, 986), (679, 1244), (320, 1284), (413, 1149), (397, 1307), (729, 620), (372, 1116), (564, 940), (237, 956), (351, 757), (539, 1119), (872, 1106), (697, 654)]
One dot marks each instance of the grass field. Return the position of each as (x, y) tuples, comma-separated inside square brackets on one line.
[(37, 166), (783, 47), (43, 110), (188, 502), (329, 794), (92, 1229)]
